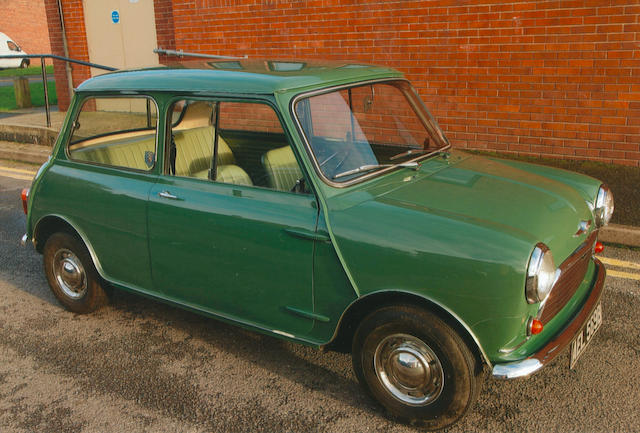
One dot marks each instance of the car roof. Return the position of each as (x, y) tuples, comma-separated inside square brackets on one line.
[(242, 76)]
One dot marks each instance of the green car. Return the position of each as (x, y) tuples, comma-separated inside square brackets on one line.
[(321, 203)]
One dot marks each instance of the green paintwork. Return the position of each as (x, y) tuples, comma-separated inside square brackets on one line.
[(458, 232), (254, 78)]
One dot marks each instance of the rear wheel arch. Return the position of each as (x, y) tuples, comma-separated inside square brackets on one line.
[(48, 225), (71, 273), (51, 224), (368, 304)]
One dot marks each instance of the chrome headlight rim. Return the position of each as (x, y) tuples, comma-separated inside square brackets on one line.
[(603, 206), (541, 272)]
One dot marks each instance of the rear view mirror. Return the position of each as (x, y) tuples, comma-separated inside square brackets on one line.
[(368, 100)]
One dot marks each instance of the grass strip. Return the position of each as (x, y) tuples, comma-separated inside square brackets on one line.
[(31, 70), (8, 96)]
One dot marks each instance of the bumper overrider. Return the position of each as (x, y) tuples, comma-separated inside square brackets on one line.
[(528, 366)]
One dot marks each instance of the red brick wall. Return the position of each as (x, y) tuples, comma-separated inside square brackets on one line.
[(76, 43), (165, 30), (552, 78), (25, 22)]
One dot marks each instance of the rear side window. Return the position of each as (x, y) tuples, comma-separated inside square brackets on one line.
[(118, 132), (12, 46)]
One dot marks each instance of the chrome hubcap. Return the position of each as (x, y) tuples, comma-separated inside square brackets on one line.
[(69, 274), (408, 369)]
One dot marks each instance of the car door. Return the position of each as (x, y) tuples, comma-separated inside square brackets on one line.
[(102, 187), (240, 245)]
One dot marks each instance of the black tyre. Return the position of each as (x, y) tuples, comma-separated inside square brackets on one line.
[(71, 274), (416, 366), (24, 63)]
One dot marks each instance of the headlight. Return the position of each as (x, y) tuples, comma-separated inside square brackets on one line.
[(541, 274), (603, 206)]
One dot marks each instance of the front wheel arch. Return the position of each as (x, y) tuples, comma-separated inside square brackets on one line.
[(416, 366), (363, 306)]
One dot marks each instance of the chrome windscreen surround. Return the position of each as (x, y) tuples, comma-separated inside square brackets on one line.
[(377, 173)]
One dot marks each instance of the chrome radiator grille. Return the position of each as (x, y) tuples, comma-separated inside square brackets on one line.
[(572, 272)]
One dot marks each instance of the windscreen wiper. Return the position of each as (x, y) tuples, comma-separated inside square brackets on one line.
[(370, 167), (407, 153)]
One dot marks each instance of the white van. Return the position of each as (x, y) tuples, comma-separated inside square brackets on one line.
[(8, 47)]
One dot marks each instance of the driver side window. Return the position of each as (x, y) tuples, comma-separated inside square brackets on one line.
[(247, 139)]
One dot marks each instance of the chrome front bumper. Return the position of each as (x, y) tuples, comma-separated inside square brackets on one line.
[(528, 366)]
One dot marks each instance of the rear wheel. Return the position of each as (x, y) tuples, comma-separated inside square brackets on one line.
[(72, 277), (24, 63), (416, 366)]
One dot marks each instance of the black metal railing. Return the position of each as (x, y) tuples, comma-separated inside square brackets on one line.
[(42, 58)]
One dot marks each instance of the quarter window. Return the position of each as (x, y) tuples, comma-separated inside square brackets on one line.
[(248, 140), (118, 132)]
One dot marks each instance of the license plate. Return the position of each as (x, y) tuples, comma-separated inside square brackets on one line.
[(580, 342)]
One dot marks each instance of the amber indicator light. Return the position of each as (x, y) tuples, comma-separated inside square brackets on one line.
[(598, 248), (536, 326)]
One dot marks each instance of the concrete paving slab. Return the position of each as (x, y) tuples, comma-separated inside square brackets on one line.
[(30, 126), (25, 152), (33, 118), (619, 234)]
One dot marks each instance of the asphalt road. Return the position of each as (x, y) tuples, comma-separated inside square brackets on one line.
[(138, 365)]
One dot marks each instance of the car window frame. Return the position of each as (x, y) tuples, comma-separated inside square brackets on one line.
[(164, 171), (307, 145), (78, 110), (16, 46)]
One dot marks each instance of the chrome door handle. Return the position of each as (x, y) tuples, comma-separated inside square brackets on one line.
[(167, 194)]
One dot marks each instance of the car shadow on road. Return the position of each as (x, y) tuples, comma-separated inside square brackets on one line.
[(326, 372)]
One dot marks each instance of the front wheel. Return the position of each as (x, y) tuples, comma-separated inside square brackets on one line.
[(71, 274), (416, 366)]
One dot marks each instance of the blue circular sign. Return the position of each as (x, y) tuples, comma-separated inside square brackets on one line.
[(115, 17)]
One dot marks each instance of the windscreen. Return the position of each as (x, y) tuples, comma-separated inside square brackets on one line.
[(367, 128)]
